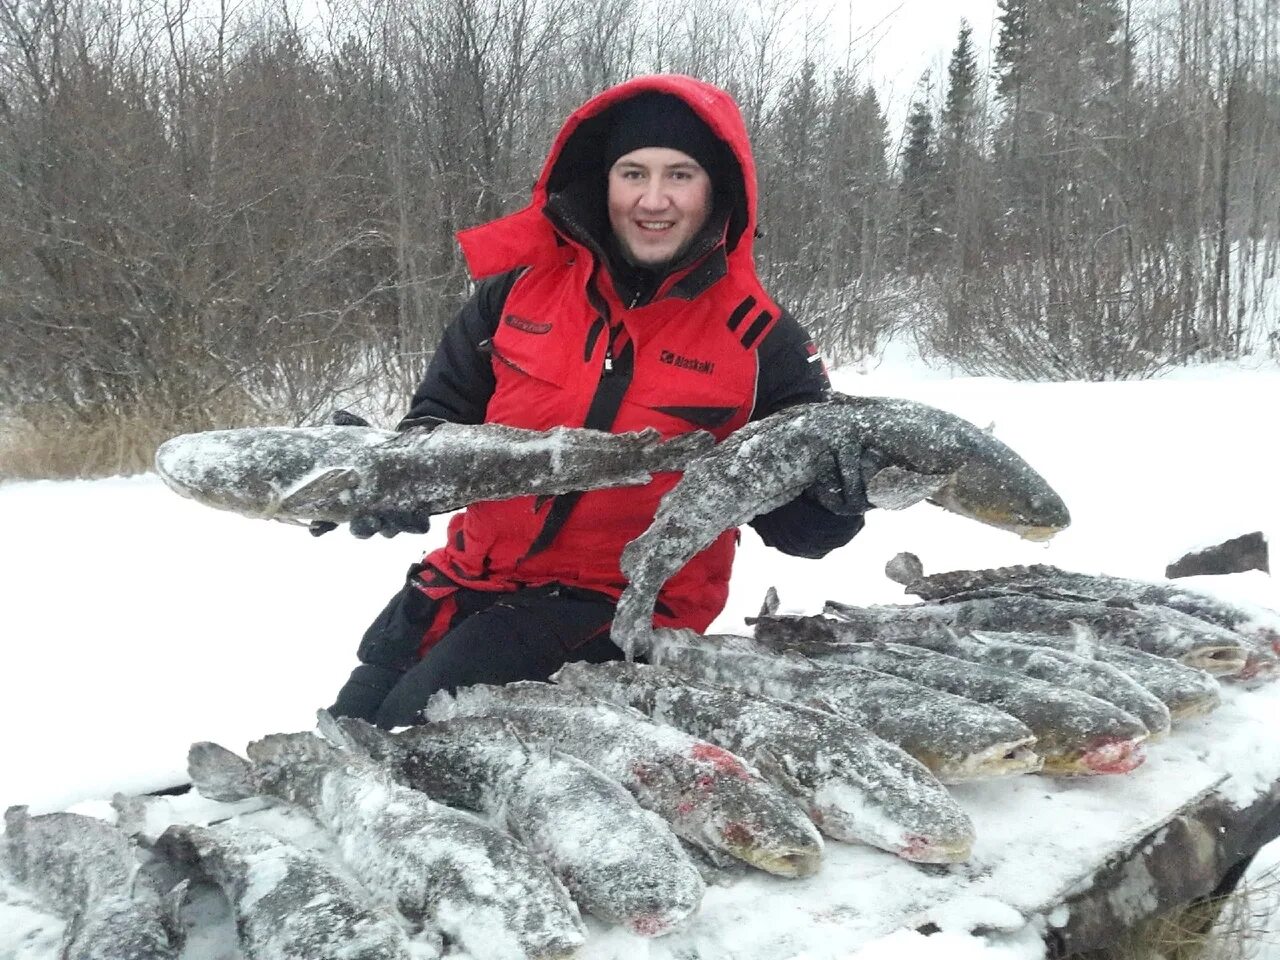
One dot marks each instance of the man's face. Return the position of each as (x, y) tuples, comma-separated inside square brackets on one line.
[(659, 199)]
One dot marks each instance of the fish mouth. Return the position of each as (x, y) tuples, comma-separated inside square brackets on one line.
[(920, 849), (1038, 534), (797, 863), (1002, 760), (1190, 709), (794, 856), (1224, 661), (1107, 755), (1015, 521)]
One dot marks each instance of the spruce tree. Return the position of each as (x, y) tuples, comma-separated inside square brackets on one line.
[(962, 90), (920, 186)]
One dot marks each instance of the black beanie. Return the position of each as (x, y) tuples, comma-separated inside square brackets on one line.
[(662, 120)]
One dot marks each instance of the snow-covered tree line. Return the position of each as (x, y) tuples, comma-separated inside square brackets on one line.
[(211, 212)]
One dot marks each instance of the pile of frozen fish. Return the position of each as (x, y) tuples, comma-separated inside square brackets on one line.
[(512, 811), (617, 789)]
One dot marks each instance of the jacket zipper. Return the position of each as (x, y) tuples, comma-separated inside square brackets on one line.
[(608, 344)]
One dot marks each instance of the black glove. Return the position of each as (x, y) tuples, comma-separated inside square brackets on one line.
[(841, 485), (366, 525)]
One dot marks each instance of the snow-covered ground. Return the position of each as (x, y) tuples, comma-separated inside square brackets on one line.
[(136, 622)]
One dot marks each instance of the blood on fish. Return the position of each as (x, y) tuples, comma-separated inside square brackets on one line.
[(650, 924), (914, 846), (724, 761), (1115, 756), (738, 834)]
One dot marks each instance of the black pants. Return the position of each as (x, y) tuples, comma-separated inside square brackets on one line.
[(492, 638)]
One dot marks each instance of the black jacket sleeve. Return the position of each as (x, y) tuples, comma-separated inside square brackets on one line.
[(791, 372), (459, 380)]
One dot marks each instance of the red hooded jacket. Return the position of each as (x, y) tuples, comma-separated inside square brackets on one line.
[(565, 344)]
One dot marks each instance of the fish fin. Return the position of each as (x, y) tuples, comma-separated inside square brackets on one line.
[(327, 483), (219, 774), (350, 733), (541, 500), (771, 603), (904, 568), (896, 488)]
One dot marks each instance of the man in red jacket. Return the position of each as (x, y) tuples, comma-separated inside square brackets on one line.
[(624, 296)]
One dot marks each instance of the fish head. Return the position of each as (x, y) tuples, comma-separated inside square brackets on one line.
[(922, 848), (1003, 491), (1228, 659), (756, 823), (651, 912), (1103, 755), (920, 823), (1000, 760)]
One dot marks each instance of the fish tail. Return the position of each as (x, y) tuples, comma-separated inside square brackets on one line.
[(219, 774), (352, 734), (675, 454), (904, 568)]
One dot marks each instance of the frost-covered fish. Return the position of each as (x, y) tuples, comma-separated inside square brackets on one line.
[(288, 903), (710, 797), (855, 786), (85, 870), (955, 738), (931, 455), (337, 473), (1076, 734), (1166, 633), (1257, 624), (1059, 667), (1186, 691), (475, 883), (621, 863)]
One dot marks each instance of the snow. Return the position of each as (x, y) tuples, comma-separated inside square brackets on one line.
[(137, 622)]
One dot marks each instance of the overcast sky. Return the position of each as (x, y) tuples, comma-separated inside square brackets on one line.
[(900, 39)]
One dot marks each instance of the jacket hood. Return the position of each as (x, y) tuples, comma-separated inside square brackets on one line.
[(576, 157)]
